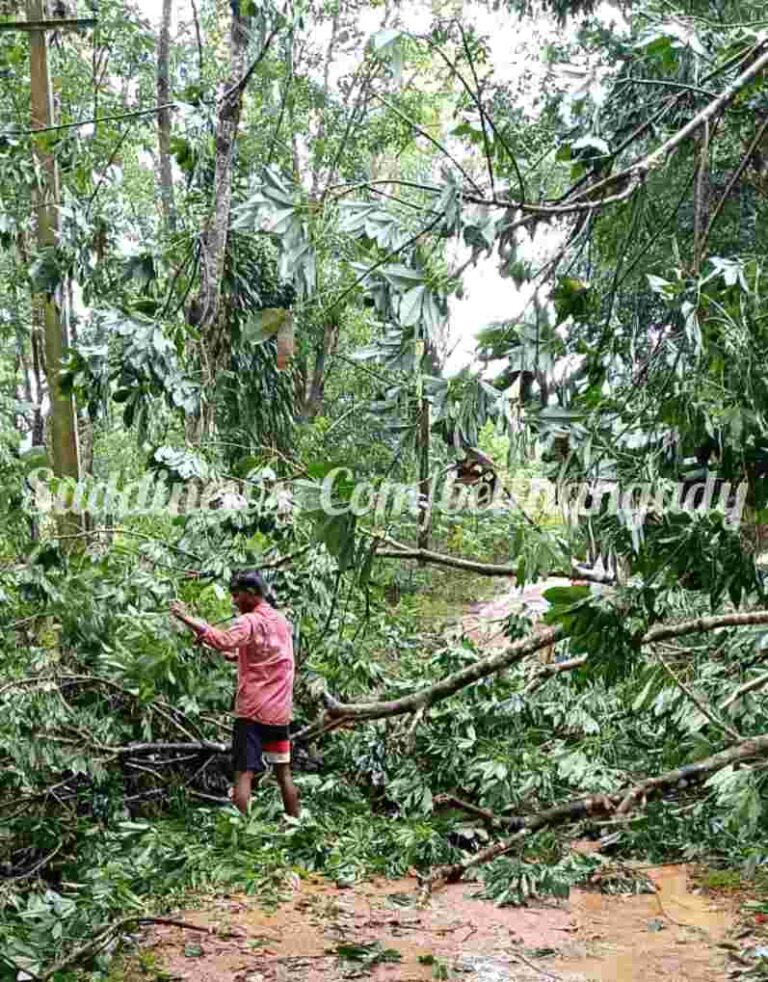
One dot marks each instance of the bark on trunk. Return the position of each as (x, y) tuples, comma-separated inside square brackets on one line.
[(38, 374), (63, 426), (425, 518), (213, 242), (311, 394), (164, 117)]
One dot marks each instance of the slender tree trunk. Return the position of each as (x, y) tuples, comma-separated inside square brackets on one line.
[(313, 395), (204, 310), (320, 134), (214, 238), (164, 117), (38, 374), (422, 445), (63, 425), (426, 516)]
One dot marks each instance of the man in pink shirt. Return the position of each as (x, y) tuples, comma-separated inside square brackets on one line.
[(263, 640)]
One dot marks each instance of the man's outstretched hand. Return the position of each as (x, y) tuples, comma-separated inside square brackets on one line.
[(179, 609)]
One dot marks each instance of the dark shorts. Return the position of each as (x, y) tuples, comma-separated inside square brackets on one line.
[(255, 744)]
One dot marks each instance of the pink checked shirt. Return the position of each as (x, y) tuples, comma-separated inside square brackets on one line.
[(264, 645)]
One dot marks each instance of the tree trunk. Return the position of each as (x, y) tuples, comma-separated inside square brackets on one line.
[(38, 374), (204, 310), (63, 425), (426, 510), (213, 243), (312, 395), (164, 118), (321, 128)]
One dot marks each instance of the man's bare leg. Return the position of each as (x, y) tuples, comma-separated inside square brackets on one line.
[(244, 782), (287, 789)]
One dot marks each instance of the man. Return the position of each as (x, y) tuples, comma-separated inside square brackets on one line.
[(263, 641)]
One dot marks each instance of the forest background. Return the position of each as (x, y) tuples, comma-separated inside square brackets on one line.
[(252, 243)]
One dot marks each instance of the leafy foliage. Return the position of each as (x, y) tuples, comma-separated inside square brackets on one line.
[(358, 203)]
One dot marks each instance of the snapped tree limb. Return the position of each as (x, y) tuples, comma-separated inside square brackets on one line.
[(543, 638), (592, 805)]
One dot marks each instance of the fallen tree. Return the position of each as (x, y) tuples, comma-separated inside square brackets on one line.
[(612, 804), (338, 713)]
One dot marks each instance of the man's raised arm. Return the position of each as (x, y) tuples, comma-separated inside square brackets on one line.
[(227, 640)]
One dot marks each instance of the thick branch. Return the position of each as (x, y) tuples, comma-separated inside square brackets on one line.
[(603, 804), (399, 550), (131, 749), (440, 690), (503, 659), (702, 625), (452, 562), (600, 194)]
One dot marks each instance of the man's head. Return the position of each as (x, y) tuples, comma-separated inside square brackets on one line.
[(249, 588)]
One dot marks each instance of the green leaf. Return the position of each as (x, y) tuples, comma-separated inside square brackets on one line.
[(410, 306), (262, 325), (401, 277), (369, 954), (563, 596)]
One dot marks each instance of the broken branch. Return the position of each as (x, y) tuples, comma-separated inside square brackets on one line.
[(601, 805), (516, 652), (756, 683)]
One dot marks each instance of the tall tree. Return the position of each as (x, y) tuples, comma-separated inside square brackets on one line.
[(164, 116), (63, 424)]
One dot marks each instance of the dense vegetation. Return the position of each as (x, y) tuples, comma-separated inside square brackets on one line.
[(227, 264)]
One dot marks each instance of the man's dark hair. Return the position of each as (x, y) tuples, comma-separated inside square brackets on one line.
[(252, 581)]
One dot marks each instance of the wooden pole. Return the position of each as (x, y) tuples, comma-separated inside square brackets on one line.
[(63, 422)]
